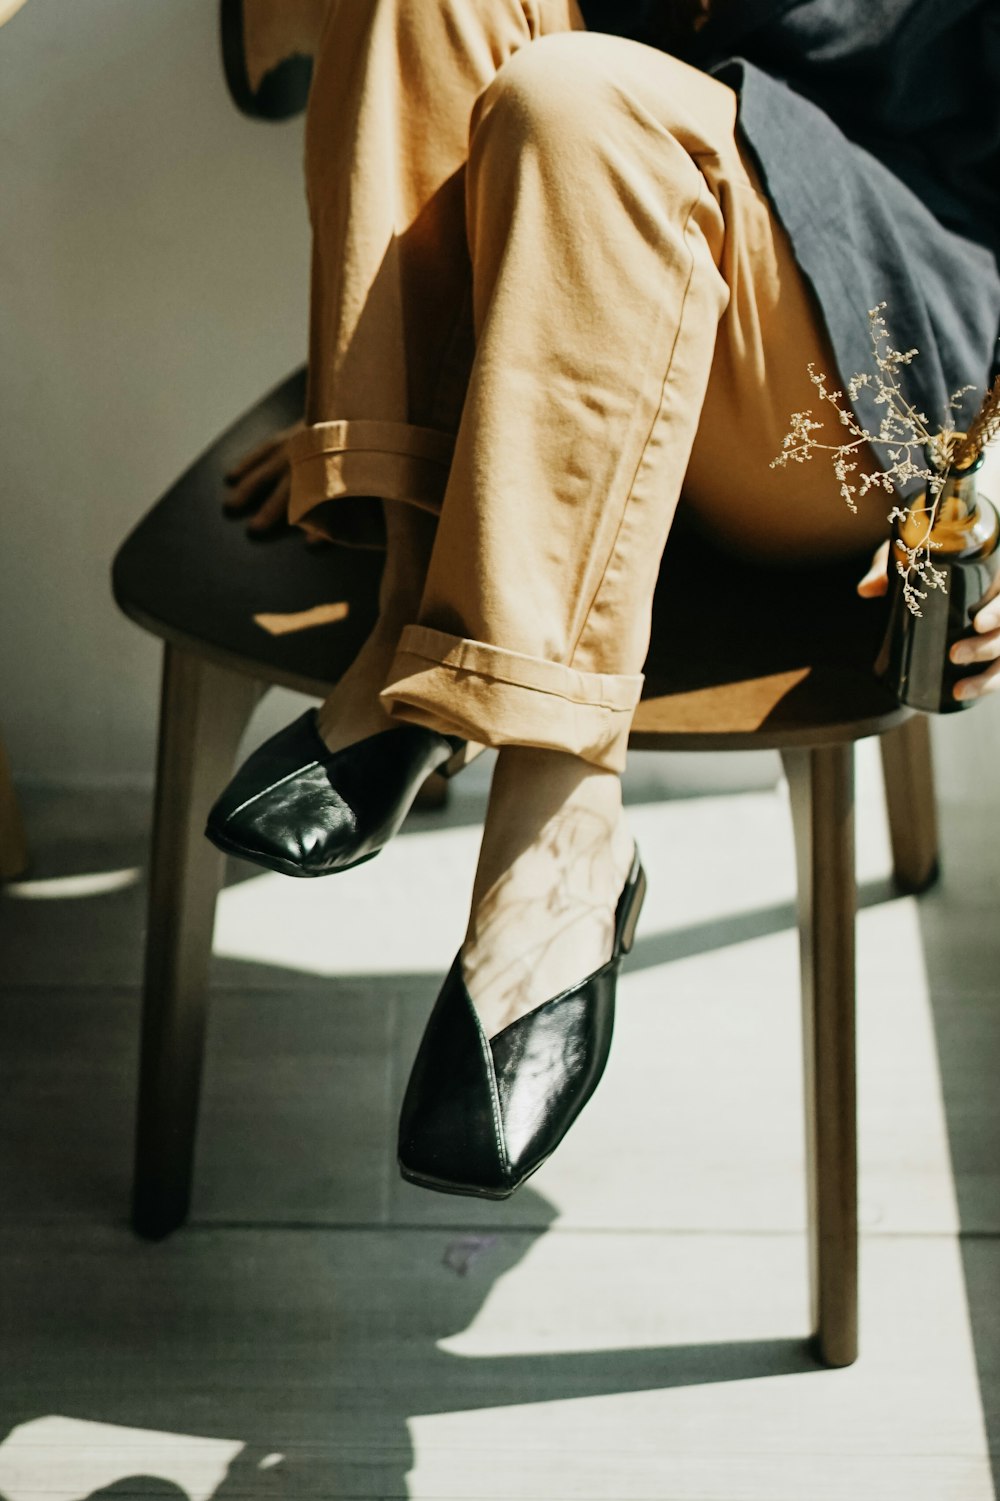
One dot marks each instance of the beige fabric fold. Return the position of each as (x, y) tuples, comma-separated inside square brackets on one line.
[(469, 686), (548, 292), (390, 460)]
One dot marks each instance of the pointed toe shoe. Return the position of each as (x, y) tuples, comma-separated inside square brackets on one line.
[(480, 1114), (298, 808)]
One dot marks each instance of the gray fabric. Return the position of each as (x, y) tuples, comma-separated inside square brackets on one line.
[(862, 236), (876, 126)]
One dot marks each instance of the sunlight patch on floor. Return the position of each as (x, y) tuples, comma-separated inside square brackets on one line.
[(69, 1459), (405, 913), (707, 858), (71, 888)]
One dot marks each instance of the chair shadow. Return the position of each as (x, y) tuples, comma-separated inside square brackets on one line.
[(379, 1365), (738, 927), (966, 1023), (138, 1342), (92, 1366)]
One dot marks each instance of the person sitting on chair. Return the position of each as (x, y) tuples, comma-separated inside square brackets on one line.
[(560, 275)]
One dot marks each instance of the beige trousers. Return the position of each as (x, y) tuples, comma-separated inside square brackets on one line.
[(548, 292)]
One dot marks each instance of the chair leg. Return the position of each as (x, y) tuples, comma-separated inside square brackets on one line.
[(13, 845), (908, 772), (822, 794), (203, 712)]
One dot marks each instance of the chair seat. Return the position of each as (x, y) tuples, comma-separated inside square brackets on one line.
[(744, 654), (190, 574), (780, 658)]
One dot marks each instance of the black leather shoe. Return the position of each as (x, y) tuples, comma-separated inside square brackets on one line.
[(303, 810), (480, 1115)]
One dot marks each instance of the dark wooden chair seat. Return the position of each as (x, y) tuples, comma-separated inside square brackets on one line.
[(764, 658), (784, 657)]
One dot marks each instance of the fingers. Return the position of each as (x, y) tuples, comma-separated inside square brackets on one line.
[(988, 618), (257, 484), (262, 454), (254, 458), (876, 580), (985, 648), (273, 509), (313, 536), (980, 685)]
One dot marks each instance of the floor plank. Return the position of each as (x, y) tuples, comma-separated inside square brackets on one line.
[(631, 1325), (560, 1365)]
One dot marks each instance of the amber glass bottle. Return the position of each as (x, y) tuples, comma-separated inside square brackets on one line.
[(914, 659)]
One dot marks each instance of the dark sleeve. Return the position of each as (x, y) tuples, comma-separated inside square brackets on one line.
[(915, 82), (629, 18), (674, 25), (900, 65)]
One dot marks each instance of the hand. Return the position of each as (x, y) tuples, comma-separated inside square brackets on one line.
[(876, 581), (983, 646), (260, 484)]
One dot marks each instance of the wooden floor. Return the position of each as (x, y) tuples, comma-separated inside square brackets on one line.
[(631, 1325)]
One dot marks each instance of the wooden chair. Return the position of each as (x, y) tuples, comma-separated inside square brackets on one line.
[(776, 674), (13, 845), (267, 53)]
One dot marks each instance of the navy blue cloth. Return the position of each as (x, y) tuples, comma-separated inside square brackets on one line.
[(631, 18), (876, 128)]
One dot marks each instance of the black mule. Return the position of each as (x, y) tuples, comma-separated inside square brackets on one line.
[(298, 808), (480, 1114)]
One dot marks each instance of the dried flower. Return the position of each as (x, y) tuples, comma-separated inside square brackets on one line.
[(912, 451), (983, 430)]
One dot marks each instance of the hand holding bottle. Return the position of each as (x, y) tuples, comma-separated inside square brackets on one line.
[(983, 646)]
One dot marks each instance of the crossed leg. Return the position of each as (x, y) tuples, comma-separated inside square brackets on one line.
[(548, 292)]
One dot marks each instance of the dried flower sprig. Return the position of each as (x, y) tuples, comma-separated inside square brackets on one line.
[(912, 450), (984, 429)]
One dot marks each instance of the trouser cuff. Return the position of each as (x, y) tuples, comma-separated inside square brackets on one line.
[(389, 460), (499, 697)]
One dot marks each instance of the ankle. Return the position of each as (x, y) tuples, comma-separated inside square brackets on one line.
[(555, 857), (554, 801), (353, 710)]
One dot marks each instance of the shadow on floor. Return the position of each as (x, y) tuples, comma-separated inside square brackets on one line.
[(306, 1351), (961, 943), (319, 1348), (276, 1363)]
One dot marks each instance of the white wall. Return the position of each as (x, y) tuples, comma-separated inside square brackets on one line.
[(153, 283)]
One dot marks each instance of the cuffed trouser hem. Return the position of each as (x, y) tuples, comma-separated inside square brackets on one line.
[(499, 697), (390, 460)]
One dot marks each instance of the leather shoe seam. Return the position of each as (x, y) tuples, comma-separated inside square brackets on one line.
[(494, 1092), (263, 791)]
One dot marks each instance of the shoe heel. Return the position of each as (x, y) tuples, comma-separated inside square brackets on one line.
[(462, 758), (636, 898)]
